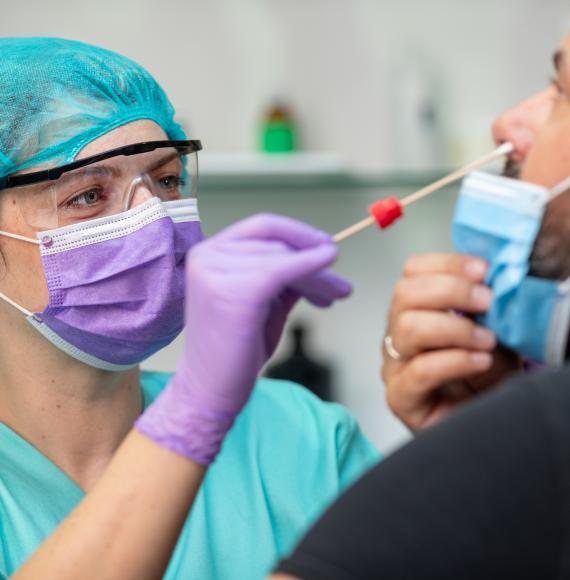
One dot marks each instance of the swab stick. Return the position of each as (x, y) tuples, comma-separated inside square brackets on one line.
[(386, 211)]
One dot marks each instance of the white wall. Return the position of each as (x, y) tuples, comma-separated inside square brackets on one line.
[(222, 60)]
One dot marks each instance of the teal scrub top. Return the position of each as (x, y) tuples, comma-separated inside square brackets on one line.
[(287, 456)]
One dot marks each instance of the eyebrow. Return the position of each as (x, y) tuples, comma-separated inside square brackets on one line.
[(166, 159), (116, 171), (42, 187)]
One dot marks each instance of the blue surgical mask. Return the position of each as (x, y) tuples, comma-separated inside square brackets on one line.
[(498, 219)]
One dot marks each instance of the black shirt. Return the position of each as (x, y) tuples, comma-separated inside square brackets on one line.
[(484, 495)]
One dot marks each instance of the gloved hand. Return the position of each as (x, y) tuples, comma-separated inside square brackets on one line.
[(241, 285)]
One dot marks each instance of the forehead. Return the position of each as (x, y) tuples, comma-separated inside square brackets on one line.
[(136, 132)]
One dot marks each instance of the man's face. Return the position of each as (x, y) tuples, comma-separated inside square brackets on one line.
[(520, 125), (548, 159), (547, 163)]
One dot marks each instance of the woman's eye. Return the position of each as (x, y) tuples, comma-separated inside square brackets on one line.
[(85, 199), (171, 182)]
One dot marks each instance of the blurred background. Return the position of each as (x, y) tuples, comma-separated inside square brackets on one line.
[(316, 108)]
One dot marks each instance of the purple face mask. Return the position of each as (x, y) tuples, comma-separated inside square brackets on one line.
[(116, 284)]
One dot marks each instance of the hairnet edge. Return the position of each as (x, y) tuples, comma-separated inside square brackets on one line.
[(170, 127)]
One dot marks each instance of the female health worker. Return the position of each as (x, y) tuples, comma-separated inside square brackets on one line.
[(102, 260)]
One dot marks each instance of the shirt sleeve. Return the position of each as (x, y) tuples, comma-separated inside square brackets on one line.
[(483, 495), (355, 453), (304, 452)]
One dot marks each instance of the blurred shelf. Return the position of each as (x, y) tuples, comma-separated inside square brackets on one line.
[(297, 171)]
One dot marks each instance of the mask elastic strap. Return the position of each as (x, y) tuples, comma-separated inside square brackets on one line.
[(2, 295), (19, 237), (557, 340), (12, 303), (560, 188)]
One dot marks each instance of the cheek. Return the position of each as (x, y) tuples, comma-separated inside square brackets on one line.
[(548, 161), (23, 278), (21, 272)]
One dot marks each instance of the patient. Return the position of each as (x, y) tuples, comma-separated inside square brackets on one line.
[(486, 493)]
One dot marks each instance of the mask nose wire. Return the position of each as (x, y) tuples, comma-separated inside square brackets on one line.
[(560, 188)]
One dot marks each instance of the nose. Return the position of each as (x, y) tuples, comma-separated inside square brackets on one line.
[(521, 124), (139, 192)]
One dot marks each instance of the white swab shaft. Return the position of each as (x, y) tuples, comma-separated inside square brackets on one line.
[(504, 149)]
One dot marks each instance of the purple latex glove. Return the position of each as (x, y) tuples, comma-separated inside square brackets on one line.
[(241, 286)]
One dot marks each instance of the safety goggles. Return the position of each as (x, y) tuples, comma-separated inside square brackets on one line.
[(106, 184)]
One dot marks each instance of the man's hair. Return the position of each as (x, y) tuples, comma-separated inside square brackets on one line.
[(550, 256)]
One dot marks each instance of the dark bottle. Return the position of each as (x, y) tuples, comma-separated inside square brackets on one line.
[(300, 368)]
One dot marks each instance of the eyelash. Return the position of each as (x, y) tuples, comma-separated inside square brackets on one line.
[(72, 203)]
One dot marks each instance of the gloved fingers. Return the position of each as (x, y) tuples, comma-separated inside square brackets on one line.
[(294, 233), (231, 257), (277, 263), (250, 249), (293, 267), (318, 301), (324, 285), (278, 313)]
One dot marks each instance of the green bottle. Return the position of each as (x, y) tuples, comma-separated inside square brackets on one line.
[(278, 130)]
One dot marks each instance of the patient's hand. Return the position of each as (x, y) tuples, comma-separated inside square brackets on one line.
[(446, 358)]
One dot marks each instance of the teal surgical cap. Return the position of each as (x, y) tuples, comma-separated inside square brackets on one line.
[(57, 95)]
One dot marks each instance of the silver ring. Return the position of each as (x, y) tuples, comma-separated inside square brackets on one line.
[(391, 349)]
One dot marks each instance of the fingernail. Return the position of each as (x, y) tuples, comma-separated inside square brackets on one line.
[(483, 338), (481, 360), (482, 297), (476, 268)]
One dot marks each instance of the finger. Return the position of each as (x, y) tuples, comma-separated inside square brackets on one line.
[(412, 387), (416, 331), (293, 267), (439, 292), (457, 391), (471, 267), (296, 234), (326, 284), (318, 301)]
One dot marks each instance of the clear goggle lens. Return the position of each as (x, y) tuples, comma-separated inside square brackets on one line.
[(108, 187)]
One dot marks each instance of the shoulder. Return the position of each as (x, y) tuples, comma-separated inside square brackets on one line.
[(542, 398), (539, 396), (522, 425), (292, 410), (296, 404), (285, 418)]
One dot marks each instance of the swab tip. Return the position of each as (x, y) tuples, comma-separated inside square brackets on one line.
[(505, 148)]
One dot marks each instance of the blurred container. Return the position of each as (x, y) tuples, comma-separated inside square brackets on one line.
[(278, 130)]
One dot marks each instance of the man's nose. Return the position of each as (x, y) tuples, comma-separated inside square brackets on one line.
[(521, 124)]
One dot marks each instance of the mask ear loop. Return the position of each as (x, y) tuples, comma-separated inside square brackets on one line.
[(2, 295), (15, 305), (559, 189), (555, 354), (21, 238)]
